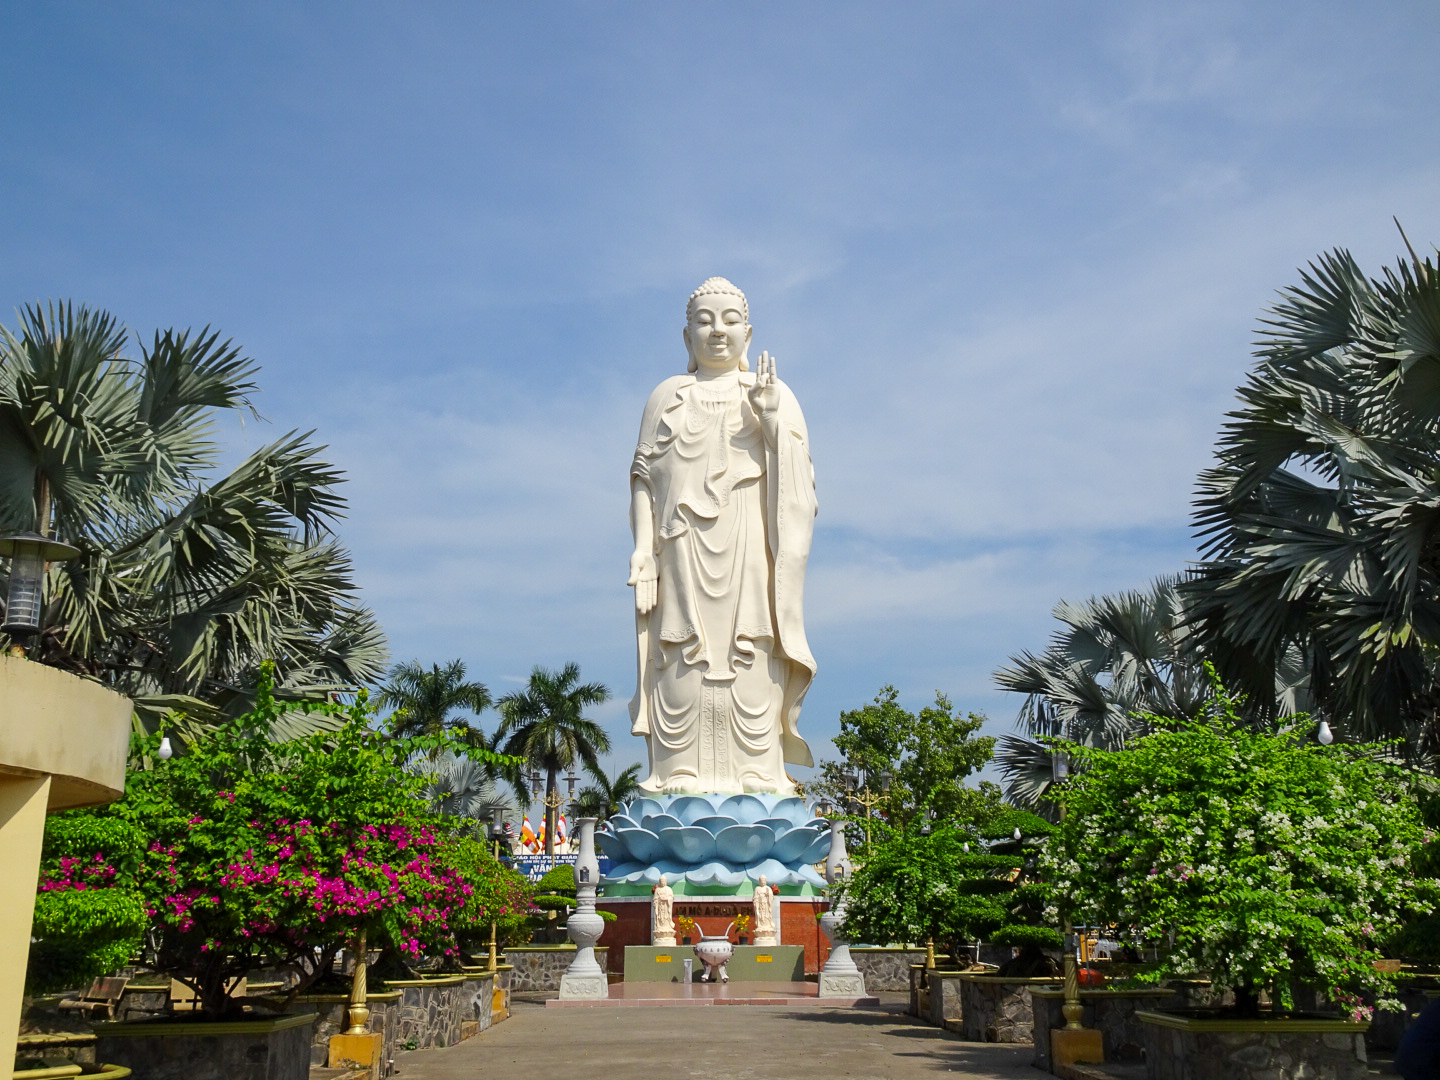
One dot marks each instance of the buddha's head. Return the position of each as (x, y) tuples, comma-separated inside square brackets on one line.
[(717, 328), (664, 881), (762, 881)]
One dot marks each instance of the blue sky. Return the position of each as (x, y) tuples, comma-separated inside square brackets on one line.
[(1010, 257)]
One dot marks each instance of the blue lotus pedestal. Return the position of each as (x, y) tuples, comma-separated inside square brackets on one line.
[(714, 845)]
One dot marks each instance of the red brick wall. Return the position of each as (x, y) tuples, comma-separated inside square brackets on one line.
[(799, 925)]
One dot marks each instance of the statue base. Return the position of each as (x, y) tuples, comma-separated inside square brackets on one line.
[(842, 984), (573, 987)]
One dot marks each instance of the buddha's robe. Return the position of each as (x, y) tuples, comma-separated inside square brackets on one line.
[(723, 664)]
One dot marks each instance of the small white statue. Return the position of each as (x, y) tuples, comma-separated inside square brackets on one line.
[(764, 902), (662, 914)]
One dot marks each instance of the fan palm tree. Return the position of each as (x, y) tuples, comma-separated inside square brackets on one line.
[(187, 579), (1321, 516), (1116, 659), (544, 725), (605, 797), (431, 702), (462, 788)]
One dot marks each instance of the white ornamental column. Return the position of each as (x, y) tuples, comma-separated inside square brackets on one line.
[(584, 979), (839, 977)]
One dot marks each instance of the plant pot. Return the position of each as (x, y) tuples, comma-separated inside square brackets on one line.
[(1090, 978), (273, 1048), (744, 940), (685, 940)]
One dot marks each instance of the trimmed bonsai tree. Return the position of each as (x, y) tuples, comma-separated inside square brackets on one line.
[(1258, 859), (950, 887)]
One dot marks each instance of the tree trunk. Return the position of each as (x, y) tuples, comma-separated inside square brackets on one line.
[(1247, 1002), (551, 798)]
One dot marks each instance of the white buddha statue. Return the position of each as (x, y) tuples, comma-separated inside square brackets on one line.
[(723, 509)]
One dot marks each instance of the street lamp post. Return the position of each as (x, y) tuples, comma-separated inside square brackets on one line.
[(497, 831), (859, 792), (29, 554), (1074, 1043)]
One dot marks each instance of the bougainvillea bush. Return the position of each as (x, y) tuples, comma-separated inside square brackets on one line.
[(258, 853), (1260, 860)]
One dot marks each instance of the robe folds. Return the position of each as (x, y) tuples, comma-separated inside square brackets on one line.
[(722, 660)]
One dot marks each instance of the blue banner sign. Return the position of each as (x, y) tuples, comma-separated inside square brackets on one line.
[(537, 866)]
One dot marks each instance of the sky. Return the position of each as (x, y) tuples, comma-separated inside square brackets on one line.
[(1010, 256)]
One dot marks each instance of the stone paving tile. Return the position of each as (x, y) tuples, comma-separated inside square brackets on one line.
[(742, 1043)]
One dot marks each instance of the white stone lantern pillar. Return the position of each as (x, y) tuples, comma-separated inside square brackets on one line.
[(585, 979)]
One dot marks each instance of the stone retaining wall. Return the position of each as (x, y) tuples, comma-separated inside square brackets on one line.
[(886, 968), (334, 1019), (996, 1010), (443, 1011), (945, 1005), (1111, 1011), (539, 967), (1252, 1050)]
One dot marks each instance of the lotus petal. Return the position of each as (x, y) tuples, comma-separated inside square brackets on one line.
[(623, 871), (772, 870), (643, 844), (823, 824), (640, 807), (690, 807), (792, 808), (714, 873), (791, 847), (613, 846), (665, 867), (810, 874), (714, 823), (778, 825), (689, 844), (746, 809), (818, 849), (619, 821), (656, 822), (744, 844)]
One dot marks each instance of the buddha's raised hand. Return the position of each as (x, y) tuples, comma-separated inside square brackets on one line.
[(765, 395)]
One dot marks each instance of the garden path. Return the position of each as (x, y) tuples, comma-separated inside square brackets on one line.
[(736, 1043)]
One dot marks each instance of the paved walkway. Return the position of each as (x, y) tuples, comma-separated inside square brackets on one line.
[(740, 1043)]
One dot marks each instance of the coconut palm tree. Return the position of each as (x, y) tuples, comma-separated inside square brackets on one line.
[(1116, 659), (544, 725), (432, 702), (188, 578), (1321, 516), (605, 797)]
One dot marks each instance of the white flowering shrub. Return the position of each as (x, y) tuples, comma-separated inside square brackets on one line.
[(1258, 860)]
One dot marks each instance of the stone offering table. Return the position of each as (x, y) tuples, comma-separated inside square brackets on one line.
[(749, 964)]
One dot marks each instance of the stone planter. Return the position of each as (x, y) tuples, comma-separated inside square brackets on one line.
[(435, 1011), (274, 1048), (997, 1010), (334, 1019), (539, 967), (1179, 1047), (945, 1006), (1112, 1012), (885, 968)]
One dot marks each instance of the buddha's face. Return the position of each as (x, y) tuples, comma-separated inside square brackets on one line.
[(716, 332)]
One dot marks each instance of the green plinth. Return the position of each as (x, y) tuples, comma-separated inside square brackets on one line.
[(751, 963)]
